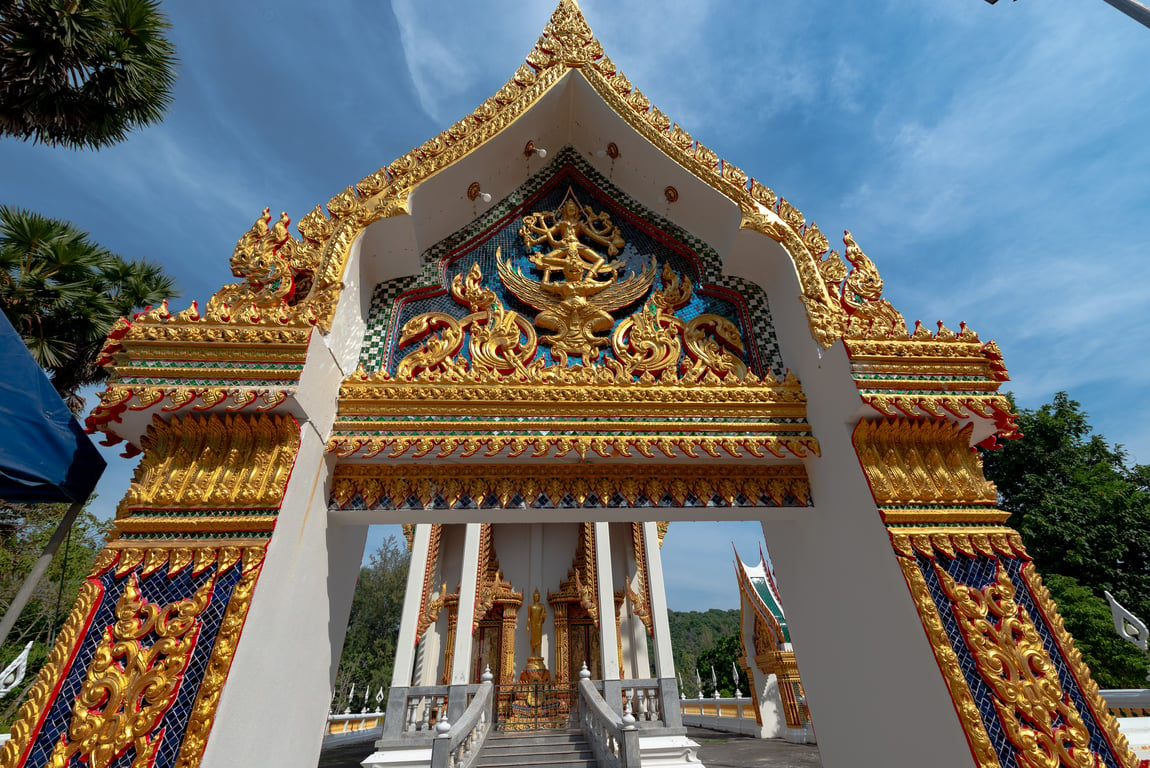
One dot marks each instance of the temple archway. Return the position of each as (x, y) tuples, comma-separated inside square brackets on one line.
[(676, 344)]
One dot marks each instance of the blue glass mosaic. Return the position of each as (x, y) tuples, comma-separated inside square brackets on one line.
[(979, 572), (646, 234), (160, 589)]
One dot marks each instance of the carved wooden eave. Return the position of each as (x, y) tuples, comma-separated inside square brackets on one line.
[(245, 350)]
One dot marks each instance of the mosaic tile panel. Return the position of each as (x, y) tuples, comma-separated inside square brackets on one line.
[(647, 234), (979, 572), (161, 589)]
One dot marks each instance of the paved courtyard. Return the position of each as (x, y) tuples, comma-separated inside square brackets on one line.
[(716, 750)]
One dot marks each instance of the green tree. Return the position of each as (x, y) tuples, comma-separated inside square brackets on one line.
[(373, 627), (693, 633), (83, 73), (62, 292), (1084, 516), (723, 657)]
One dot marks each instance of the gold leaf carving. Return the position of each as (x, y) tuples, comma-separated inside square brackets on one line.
[(198, 462), (921, 461), (1039, 719), (772, 485), (129, 687)]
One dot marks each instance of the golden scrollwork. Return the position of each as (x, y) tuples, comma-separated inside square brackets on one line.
[(212, 461), (491, 588), (641, 597), (772, 485), (130, 686), (972, 541), (123, 674), (582, 583), (921, 461), (1073, 657), (560, 446), (1039, 719)]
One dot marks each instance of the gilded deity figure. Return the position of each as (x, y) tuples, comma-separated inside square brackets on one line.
[(536, 613), (575, 260)]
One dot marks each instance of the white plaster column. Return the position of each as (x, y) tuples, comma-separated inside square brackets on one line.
[(293, 632), (664, 659), (405, 648), (468, 586), (608, 637)]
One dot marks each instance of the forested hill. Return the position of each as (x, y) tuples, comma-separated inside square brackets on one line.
[(693, 632)]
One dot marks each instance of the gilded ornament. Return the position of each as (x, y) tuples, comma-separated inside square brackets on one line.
[(636, 485), (130, 686), (198, 462), (1039, 719), (42, 693), (207, 698), (969, 714), (921, 461)]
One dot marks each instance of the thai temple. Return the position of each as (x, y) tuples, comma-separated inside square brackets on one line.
[(769, 657), (535, 340)]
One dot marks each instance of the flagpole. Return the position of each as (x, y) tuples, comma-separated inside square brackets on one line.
[(38, 570), (1134, 9)]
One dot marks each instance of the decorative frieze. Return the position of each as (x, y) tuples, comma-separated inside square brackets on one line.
[(419, 486)]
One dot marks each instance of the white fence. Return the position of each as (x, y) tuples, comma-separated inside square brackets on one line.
[(732, 715)]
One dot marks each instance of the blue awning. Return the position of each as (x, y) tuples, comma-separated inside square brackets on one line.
[(44, 454)]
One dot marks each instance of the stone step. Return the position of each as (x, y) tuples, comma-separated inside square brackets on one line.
[(558, 749)]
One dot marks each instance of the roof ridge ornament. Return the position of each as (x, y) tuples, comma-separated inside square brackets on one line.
[(567, 39)]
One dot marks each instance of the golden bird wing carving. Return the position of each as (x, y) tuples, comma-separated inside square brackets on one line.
[(526, 290), (626, 291)]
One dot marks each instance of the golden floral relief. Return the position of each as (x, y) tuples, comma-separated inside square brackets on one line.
[(130, 686), (1038, 716)]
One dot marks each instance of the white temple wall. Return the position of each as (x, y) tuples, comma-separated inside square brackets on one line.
[(835, 560), (304, 593)]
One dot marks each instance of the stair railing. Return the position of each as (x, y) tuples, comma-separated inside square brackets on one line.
[(613, 739), (457, 745)]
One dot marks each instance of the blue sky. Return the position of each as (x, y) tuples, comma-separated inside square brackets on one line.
[(992, 160)]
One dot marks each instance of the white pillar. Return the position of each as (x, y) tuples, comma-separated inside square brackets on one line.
[(608, 636), (293, 632), (664, 660), (468, 586), (405, 649)]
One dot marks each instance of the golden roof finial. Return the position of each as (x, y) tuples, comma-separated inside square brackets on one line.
[(567, 39)]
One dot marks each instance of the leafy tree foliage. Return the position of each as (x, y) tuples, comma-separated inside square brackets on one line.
[(62, 292), (1084, 516), (83, 73), (693, 633), (373, 628), (723, 658), (23, 535)]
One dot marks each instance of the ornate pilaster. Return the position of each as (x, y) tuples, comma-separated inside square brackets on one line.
[(140, 664), (1019, 685)]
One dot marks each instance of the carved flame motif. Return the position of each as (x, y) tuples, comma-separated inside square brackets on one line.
[(130, 687), (1038, 716), (646, 344)]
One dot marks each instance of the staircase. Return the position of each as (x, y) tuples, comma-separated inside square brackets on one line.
[(546, 749)]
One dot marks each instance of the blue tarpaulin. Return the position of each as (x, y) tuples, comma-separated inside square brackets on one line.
[(44, 454)]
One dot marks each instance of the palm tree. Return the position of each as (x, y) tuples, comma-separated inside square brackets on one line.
[(62, 293), (82, 73)]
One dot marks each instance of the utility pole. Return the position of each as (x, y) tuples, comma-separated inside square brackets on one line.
[(1132, 8)]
